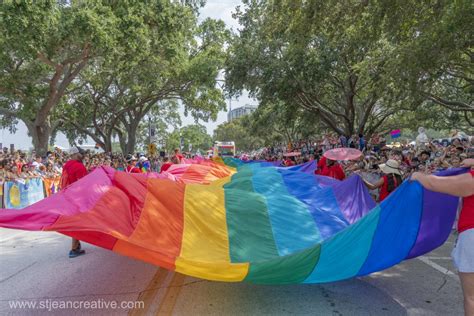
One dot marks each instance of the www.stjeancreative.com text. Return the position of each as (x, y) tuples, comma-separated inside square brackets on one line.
[(50, 304)]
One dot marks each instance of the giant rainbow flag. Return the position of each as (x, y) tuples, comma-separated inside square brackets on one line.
[(252, 222)]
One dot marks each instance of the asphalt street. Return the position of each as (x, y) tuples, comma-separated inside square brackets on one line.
[(35, 270)]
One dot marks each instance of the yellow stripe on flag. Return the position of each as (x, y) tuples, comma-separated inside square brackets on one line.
[(205, 244)]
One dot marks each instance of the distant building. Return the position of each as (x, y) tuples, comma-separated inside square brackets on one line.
[(239, 112)]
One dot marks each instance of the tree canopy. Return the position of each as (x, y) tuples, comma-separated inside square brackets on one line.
[(189, 138), (354, 64), (97, 69), (101, 69)]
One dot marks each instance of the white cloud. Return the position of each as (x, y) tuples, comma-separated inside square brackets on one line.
[(220, 9)]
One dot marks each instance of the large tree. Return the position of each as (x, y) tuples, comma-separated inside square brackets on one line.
[(161, 119), (45, 45), (190, 138), (239, 131), (138, 54), (327, 57), (435, 54), (356, 64), (281, 122), (177, 62)]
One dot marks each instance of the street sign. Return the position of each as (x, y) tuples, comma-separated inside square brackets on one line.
[(152, 149)]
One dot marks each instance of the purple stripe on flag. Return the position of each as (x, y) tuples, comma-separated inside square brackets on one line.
[(439, 213)]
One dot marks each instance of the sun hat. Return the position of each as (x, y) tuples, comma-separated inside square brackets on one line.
[(391, 166), (130, 158)]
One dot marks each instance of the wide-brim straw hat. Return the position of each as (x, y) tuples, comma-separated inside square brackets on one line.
[(391, 166)]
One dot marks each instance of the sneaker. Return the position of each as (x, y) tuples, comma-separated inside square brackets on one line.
[(76, 253)]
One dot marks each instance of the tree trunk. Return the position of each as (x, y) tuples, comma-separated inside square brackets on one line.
[(131, 137), (108, 144), (123, 145), (40, 135)]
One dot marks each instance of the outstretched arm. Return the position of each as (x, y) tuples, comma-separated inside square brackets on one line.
[(461, 185), (469, 163)]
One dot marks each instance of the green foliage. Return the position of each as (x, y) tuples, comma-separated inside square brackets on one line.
[(45, 45), (435, 53), (115, 62), (175, 62), (194, 135), (239, 131), (354, 64), (280, 122), (162, 117)]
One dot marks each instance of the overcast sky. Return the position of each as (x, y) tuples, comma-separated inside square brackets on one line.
[(217, 9)]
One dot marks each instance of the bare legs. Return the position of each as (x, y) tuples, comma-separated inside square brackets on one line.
[(467, 282), (75, 244)]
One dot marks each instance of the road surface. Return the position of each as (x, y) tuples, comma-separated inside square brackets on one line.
[(36, 272)]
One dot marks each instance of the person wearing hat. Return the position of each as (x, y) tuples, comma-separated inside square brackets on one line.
[(145, 164), (73, 170), (391, 179), (330, 168), (132, 164)]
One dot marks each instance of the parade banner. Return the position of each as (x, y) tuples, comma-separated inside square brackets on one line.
[(1, 192), (22, 193), (51, 185)]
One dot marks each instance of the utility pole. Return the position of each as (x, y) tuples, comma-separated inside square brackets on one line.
[(149, 130)]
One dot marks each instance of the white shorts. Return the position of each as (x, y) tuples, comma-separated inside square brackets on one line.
[(463, 252)]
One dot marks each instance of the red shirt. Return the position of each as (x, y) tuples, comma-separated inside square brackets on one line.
[(132, 169), (19, 165), (73, 170), (165, 166), (320, 166), (384, 189), (289, 163), (466, 219), (335, 171)]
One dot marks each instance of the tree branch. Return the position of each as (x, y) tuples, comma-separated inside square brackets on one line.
[(452, 105)]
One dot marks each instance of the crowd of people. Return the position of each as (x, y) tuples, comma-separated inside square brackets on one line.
[(23, 165), (430, 156), (427, 157), (383, 167)]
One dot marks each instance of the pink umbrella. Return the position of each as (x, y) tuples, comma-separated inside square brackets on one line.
[(292, 154), (343, 154)]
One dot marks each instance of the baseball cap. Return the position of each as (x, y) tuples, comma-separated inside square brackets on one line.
[(76, 150), (73, 150)]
